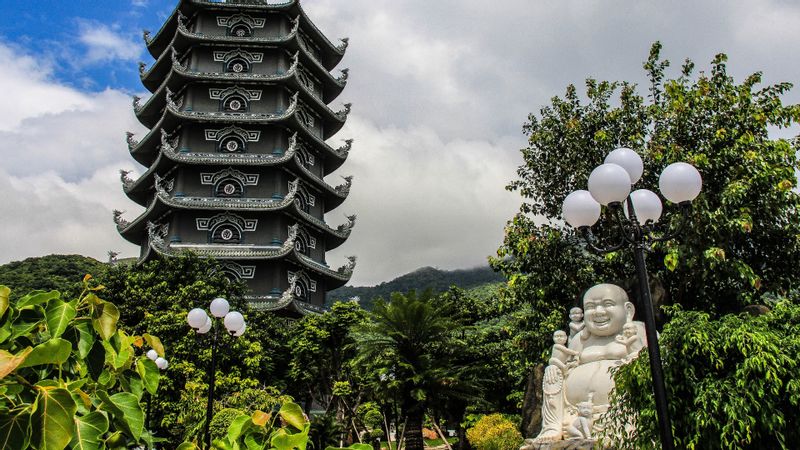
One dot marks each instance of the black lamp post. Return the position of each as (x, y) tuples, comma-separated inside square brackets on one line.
[(636, 215), (203, 323)]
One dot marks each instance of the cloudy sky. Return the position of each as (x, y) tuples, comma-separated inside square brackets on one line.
[(440, 88)]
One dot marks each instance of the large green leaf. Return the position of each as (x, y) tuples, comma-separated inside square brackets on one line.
[(37, 298), (126, 410), (188, 446), (9, 362), (96, 360), (150, 375), (292, 413), (89, 431), (55, 351), (154, 343), (58, 316), (53, 419), (15, 429), (25, 322), (238, 427), (4, 293), (104, 319), (83, 336), (282, 440)]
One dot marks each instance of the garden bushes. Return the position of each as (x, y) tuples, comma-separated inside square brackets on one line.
[(494, 432)]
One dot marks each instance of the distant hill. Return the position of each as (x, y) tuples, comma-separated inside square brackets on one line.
[(52, 272), (418, 280)]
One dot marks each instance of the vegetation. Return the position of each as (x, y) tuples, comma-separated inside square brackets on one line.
[(69, 377), (494, 432), (739, 384), (420, 280), (743, 242), (61, 273)]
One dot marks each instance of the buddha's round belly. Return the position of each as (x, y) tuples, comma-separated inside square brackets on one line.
[(590, 378)]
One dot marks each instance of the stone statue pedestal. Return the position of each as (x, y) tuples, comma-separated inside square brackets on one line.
[(570, 444)]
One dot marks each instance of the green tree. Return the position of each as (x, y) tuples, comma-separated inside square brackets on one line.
[(69, 377), (739, 382), (408, 342), (742, 244), (156, 297), (61, 273)]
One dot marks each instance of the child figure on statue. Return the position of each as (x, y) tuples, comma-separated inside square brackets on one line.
[(581, 428), (629, 337), (576, 325), (561, 354)]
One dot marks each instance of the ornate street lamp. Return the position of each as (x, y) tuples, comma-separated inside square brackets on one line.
[(637, 215), (203, 323)]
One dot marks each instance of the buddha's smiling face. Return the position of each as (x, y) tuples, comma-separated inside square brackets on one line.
[(606, 309)]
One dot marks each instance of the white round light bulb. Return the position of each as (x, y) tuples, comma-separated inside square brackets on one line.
[(206, 327), (220, 307), (241, 330), (196, 318), (234, 321), (609, 183), (647, 206), (162, 363), (152, 354), (628, 160), (680, 182), (580, 209)]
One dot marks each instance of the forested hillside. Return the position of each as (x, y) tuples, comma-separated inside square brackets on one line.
[(52, 272), (418, 280)]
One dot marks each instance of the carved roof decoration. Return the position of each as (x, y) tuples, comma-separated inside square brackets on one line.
[(332, 53)]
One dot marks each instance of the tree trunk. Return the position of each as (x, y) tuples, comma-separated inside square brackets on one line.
[(532, 403), (413, 433)]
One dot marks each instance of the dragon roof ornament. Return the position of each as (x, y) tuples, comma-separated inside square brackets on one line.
[(344, 43), (146, 37), (127, 182), (132, 143), (344, 189), (349, 267), (344, 75), (121, 223), (346, 227), (342, 115)]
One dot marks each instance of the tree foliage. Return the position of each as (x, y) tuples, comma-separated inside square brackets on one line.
[(69, 376), (61, 273), (738, 388), (742, 242), (157, 296)]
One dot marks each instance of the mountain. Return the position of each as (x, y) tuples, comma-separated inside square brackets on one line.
[(53, 272), (419, 280)]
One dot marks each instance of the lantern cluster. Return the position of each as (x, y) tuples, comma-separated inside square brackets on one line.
[(610, 184), (220, 308)]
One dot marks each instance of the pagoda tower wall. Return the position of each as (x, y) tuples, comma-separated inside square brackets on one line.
[(237, 150)]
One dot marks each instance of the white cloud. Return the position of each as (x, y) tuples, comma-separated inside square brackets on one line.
[(105, 44)]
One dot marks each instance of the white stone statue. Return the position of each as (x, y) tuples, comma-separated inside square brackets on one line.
[(576, 394), (576, 325)]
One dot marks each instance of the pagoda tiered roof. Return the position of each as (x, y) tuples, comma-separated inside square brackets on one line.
[(163, 202), (146, 151), (330, 54), (149, 113), (243, 252)]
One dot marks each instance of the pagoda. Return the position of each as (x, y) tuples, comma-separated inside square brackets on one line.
[(237, 152)]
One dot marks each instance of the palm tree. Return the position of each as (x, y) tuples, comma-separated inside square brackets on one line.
[(409, 342)]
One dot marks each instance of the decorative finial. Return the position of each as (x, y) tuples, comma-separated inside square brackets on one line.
[(343, 46)]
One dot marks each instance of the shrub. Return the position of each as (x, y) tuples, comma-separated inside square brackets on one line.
[(494, 432), (222, 420)]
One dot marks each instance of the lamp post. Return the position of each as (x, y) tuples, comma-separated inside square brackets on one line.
[(203, 323), (637, 216)]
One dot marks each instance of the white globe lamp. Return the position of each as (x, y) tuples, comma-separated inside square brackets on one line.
[(680, 182), (152, 354), (241, 330), (609, 183), (647, 206), (196, 318), (580, 209), (162, 363), (234, 321), (206, 327), (220, 307), (628, 160)]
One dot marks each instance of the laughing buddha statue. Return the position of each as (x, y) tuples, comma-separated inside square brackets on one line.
[(608, 339)]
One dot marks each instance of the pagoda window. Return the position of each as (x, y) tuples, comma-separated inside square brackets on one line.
[(237, 65), (226, 233), (229, 188), (235, 104), (232, 144), (240, 29)]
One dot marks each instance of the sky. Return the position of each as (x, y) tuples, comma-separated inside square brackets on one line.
[(441, 90)]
